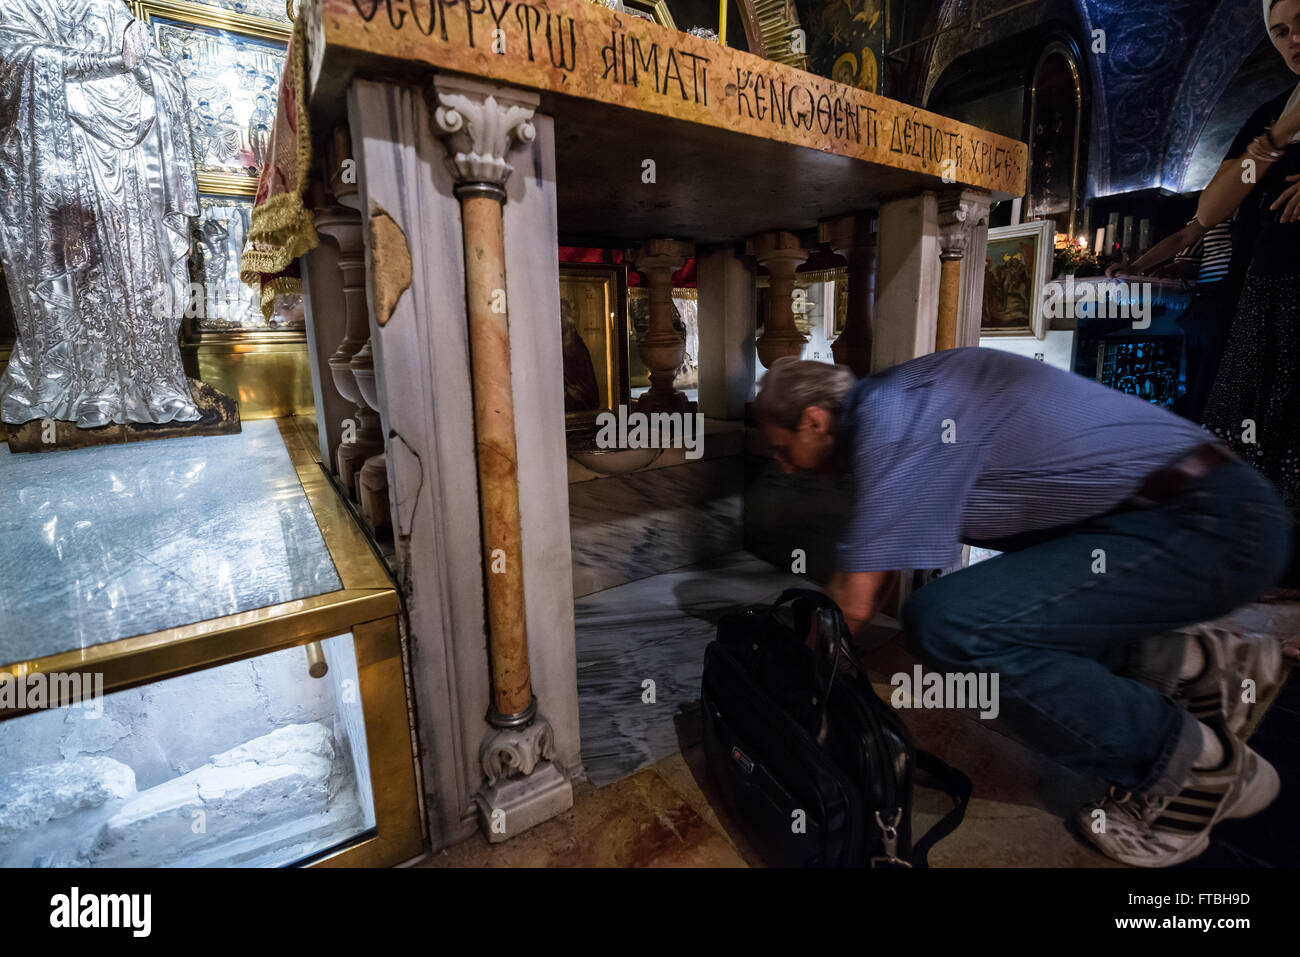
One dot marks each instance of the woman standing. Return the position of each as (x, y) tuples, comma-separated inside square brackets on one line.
[(1255, 402)]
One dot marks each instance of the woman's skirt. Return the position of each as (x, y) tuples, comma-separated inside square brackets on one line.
[(1255, 403)]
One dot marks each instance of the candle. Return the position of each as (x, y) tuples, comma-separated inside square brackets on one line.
[(722, 22), (1128, 236), (1144, 235), (1101, 240), (1015, 211)]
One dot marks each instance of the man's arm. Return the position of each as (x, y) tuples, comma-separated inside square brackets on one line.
[(859, 595)]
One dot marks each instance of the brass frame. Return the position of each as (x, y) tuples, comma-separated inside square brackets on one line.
[(656, 8), (367, 607), (619, 333), (231, 184), (1076, 157)]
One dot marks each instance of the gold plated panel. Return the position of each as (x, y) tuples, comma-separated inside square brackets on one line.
[(268, 373)]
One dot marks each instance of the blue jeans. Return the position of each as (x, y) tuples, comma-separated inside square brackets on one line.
[(1061, 635)]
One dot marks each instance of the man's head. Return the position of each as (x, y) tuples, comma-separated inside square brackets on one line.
[(797, 409)]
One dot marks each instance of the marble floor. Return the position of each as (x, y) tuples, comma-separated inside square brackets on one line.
[(641, 655), (648, 800)]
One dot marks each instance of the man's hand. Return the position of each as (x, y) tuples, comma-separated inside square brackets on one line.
[(859, 595)]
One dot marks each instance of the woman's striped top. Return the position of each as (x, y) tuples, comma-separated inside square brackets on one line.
[(1216, 253)]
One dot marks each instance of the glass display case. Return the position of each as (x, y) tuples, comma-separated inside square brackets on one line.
[(202, 664)]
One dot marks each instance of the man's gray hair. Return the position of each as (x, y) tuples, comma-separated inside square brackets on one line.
[(792, 385)]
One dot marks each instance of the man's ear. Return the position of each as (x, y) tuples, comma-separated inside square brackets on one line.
[(816, 418)]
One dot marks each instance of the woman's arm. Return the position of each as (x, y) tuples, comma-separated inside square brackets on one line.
[(1230, 186), (1161, 252)]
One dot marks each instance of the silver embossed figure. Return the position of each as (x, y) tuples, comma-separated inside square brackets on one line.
[(97, 191)]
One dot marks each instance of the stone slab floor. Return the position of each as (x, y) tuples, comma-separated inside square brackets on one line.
[(669, 815)]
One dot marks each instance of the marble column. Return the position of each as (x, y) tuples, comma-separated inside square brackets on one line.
[(482, 126), (727, 290), (662, 348), (970, 307), (907, 283), (854, 238), (424, 384), (781, 253), (952, 247)]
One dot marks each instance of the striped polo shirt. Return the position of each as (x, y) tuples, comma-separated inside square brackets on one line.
[(976, 445)]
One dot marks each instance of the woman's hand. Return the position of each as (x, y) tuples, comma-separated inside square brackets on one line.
[(1116, 270), (1289, 201)]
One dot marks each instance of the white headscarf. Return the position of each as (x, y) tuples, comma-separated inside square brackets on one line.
[(1295, 97)]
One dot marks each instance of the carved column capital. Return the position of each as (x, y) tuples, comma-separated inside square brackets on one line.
[(953, 214), (482, 124)]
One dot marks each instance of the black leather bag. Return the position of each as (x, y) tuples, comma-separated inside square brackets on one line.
[(813, 766)]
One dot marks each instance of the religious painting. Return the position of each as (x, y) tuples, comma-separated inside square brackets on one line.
[(229, 305), (1018, 263), (232, 66), (1055, 128), (845, 39), (593, 329)]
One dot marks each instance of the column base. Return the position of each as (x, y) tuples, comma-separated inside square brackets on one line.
[(372, 491), (664, 402), (513, 805)]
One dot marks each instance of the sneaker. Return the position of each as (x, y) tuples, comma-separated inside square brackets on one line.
[(1230, 658), (1148, 831)]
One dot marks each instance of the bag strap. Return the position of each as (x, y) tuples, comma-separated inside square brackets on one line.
[(954, 784), (813, 609)]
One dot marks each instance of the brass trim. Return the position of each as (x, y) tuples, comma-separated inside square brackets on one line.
[(213, 17), (679, 292), (367, 594), (656, 8), (228, 184), (398, 823), (803, 279), (208, 338)]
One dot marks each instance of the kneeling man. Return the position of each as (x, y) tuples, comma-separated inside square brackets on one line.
[(1119, 522)]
